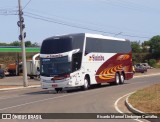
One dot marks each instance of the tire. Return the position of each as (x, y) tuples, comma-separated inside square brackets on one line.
[(31, 77), (121, 78), (58, 90), (86, 84), (117, 79)]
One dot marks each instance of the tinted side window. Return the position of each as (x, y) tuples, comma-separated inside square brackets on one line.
[(76, 61), (104, 45)]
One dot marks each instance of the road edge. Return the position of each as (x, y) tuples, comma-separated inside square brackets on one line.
[(136, 111), (146, 75), (116, 105), (130, 107), (21, 87)]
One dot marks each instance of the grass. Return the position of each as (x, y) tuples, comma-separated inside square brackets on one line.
[(147, 99)]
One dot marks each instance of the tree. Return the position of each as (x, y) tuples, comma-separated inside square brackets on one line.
[(152, 62), (154, 43), (145, 47), (35, 44), (15, 43), (28, 43), (136, 47), (4, 44)]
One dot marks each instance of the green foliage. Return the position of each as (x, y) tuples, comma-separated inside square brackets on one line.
[(152, 62), (147, 50), (15, 43), (35, 44), (28, 43), (136, 47), (4, 44), (154, 43), (18, 43), (140, 57)]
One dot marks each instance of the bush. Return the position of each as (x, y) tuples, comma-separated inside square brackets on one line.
[(152, 62)]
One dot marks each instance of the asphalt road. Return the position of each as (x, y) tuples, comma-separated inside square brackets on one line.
[(96, 100)]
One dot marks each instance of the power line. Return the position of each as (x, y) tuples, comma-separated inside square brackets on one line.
[(130, 5), (62, 23), (39, 17), (94, 25), (26, 5), (8, 12)]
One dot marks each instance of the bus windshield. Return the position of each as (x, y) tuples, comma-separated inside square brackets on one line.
[(55, 66)]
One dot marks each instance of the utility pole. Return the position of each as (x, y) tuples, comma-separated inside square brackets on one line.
[(21, 38)]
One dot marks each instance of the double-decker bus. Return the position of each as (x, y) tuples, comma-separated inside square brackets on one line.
[(83, 59)]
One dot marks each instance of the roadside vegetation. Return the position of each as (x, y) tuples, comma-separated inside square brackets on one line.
[(147, 99), (147, 52), (18, 43)]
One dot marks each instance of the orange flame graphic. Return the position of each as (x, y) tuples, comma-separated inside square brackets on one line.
[(109, 73)]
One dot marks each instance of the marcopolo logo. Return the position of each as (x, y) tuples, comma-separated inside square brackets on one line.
[(96, 58)]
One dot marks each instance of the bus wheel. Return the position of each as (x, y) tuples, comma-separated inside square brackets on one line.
[(86, 84), (58, 90), (117, 79), (31, 77), (121, 79)]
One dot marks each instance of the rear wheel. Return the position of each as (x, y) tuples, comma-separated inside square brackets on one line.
[(121, 78), (117, 79)]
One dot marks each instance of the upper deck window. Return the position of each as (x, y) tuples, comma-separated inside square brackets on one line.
[(56, 45)]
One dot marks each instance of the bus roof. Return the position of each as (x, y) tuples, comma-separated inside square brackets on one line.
[(103, 37), (90, 35)]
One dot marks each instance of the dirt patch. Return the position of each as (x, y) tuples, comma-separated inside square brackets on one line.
[(147, 99)]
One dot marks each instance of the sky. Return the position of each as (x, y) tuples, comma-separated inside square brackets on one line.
[(136, 20)]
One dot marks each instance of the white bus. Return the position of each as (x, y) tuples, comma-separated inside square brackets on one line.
[(81, 60)]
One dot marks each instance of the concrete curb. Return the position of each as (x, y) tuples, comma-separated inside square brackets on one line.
[(130, 107), (136, 111), (21, 87)]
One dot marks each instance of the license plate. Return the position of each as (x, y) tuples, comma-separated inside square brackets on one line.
[(54, 85)]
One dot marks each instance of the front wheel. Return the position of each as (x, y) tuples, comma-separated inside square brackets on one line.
[(58, 90), (86, 84)]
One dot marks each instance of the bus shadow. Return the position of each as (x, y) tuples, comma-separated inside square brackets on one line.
[(94, 87), (41, 92), (73, 90)]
